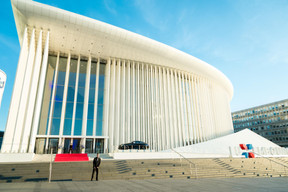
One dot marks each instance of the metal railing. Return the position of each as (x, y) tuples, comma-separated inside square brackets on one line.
[(271, 160), (190, 163)]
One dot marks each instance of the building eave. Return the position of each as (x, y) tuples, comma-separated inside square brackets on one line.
[(77, 34)]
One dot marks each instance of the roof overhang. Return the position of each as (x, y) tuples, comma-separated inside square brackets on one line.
[(77, 34)]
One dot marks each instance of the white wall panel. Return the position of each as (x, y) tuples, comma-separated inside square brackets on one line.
[(75, 95), (112, 106), (40, 93), (32, 98), (24, 95), (106, 106)]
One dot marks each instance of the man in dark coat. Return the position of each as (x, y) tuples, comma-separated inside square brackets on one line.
[(96, 164)]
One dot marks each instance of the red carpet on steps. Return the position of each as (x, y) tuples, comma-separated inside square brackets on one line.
[(71, 157)]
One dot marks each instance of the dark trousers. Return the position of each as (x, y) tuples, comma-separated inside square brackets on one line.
[(95, 169)]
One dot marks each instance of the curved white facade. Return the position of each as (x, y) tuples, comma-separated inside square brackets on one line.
[(3, 78), (94, 86)]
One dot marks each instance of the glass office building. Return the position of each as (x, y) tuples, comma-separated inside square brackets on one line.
[(88, 84), (269, 121)]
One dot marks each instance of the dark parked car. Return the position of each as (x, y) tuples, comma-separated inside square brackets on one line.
[(134, 145)]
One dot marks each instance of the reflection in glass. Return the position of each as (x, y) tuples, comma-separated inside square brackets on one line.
[(69, 110), (70, 94), (53, 145), (57, 109), (55, 127), (67, 143), (90, 111), (89, 131), (89, 146), (76, 145), (40, 146), (67, 127), (46, 102), (58, 99), (79, 110), (99, 128), (78, 127), (99, 146)]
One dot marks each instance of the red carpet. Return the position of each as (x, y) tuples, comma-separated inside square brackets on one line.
[(71, 157)]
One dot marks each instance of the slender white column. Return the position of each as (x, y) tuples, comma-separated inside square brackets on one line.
[(163, 140), (174, 110), (140, 101), (24, 95), (179, 120), (75, 95), (15, 99), (153, 139), (32, 98), (128, 103), (170, 116), (204, 111), (147, 104), (52, 101), (203, 115), (166, 136), (64, 102), (117, 104), (106, 104), (157, 101), (182, 112), (211, 95), (96, 97), (208, 110), (138, 128), (199, 109), (195, 97), (86, 101), (192, 107), (40, 93), (188, 110), (183, 97), (123, 104), (167, 132), (133, 103), (143, 102), (211, 100), (112, 106)]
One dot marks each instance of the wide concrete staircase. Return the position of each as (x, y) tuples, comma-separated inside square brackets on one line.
[(146, 169)]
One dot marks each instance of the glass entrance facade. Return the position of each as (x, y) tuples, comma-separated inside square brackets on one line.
[(72, 104)]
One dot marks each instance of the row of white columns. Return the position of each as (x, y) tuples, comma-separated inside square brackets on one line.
[(166, 108), (27, 94), (64, 102)]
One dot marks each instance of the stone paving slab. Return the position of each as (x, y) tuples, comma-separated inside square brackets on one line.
[(165, 185)]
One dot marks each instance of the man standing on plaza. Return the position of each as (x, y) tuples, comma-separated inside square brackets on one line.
[(96, 164)]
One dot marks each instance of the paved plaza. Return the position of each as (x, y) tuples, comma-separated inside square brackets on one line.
[(165, 185)]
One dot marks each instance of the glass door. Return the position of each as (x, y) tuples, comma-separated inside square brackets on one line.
[(76, 146), (53, 145), (67, 143), (99, 146), (89, 146)]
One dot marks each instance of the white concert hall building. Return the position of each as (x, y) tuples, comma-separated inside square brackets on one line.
[(87, 83)]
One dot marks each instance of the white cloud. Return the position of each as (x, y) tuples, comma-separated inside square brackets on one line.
[(110, 6), (9, 42)]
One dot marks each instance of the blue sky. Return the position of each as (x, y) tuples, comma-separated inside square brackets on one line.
[(245, 39)]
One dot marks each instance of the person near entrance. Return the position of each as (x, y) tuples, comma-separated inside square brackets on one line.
[(70, 149), (96, 164)]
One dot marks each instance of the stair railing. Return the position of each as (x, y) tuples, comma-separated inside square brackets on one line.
[(271, 160), (190, 162)]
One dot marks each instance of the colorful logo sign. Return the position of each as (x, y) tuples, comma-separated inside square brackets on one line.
[(247, 148)]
